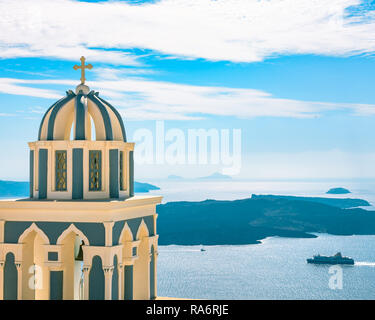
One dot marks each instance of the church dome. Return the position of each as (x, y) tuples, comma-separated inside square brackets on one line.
[(72, 117)]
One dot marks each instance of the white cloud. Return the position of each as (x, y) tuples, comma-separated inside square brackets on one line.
[(6, 115), (13, 86), (140, 99), (234, 30), (37, 110), (116, 74)]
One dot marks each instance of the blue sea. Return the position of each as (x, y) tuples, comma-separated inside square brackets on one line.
[(274, 269)]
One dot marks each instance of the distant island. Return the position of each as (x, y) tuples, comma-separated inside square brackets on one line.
[(338, 191), (216, 176), (174, 177), (248, 221), (336, 202), (144, 187), (15, 189)]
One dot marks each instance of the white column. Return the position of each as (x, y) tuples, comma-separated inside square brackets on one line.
[(155, 272), (2, 262), (108, 272), (155, 217), (108, 225), (86, 273), (149, 277), (2, 223), (2, 280), (121, 280), (19, 280)]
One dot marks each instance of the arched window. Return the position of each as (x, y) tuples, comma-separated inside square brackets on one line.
[(95, 174), (61, 170)]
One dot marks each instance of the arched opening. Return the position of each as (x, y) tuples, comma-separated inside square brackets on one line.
[(96, 280), (10, 278), (126, 239), (71, 241), (90, 131), (142, 266), (71, 132), (35, 274), (78, 268), (93, 131), (97, 120), (115, 279)]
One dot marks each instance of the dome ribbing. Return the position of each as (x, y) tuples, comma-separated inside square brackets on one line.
[(76, 110)]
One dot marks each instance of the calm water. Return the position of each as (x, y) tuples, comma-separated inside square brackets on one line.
[(275, 269)]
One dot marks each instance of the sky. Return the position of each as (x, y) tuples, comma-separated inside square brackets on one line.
[(294, 77)]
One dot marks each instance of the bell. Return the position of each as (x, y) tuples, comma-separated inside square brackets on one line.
[(79, 256)]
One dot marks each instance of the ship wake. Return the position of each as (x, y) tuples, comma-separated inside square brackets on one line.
[(365, 263)]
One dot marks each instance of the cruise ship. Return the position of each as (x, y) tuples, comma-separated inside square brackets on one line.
[(336, 259)]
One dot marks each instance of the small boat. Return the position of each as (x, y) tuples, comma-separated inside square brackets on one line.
[(202, 249), (336, 259)]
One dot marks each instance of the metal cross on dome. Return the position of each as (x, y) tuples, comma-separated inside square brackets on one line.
[(83, 67)]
